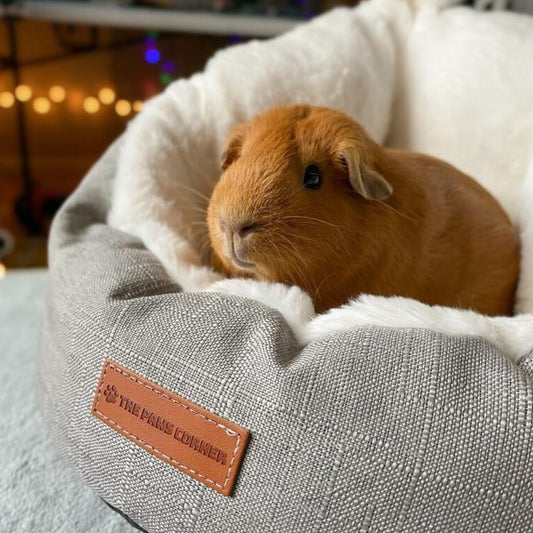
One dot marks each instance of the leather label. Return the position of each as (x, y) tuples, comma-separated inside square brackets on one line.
[(201, 444)]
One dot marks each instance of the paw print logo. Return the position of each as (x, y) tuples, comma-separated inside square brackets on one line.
[(111, 394)]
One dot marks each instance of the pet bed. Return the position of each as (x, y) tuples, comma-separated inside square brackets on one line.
[(383, 415)]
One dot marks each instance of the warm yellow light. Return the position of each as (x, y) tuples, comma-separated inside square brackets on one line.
[(107, 95), (123, 108), (6, 99), (91, 104), (138, 106), (23, 93), (57, 94), (41, 105), (2, 271)]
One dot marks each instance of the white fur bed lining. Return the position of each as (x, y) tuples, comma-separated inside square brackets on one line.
[(377, 63)]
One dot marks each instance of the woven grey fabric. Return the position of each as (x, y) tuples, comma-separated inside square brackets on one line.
[(371, 430)]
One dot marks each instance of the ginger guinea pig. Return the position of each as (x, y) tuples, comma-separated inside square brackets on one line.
[(307, 198)]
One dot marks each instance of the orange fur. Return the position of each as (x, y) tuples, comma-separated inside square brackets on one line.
[(439, 237)]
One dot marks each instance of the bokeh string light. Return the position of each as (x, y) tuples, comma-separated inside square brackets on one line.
[(91, 105), (106, 95), (153, 56), (23, 93), (7, 99), (41, 105), (58, 94), (123, 108)]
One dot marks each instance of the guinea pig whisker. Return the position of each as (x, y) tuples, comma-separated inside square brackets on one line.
[(302, 238), (292, 245), (322, 283), (395, 210), (301, 217), (311, 221), (288, 268), (206, 243), (294, 236), (295, 251), (196, 208), (194, 191), (282, 260), (205, 239), (291, 233), (202, 223)]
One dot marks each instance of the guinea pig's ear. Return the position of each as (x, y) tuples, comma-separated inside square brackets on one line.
[(233, 148), (366, 181)]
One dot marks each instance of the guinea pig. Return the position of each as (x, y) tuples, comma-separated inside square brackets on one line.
[(307, 198)]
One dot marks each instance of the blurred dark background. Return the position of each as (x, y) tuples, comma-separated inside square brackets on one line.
[(72, 76)]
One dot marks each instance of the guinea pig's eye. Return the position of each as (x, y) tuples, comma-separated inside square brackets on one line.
[(312, 178)]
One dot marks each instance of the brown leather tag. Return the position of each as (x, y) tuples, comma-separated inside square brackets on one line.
[(199, 443)]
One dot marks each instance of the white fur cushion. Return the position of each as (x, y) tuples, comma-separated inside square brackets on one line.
[(454, 83)]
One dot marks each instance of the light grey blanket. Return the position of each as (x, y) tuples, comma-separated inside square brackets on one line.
[(374, 429)]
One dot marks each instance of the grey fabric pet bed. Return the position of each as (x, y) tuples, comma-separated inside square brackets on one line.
[(366, 429), (371, 430)]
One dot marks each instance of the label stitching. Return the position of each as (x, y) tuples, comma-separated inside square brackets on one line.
[(229, 431)]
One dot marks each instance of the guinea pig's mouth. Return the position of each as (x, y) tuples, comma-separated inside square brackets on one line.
[(240, 263), (237, 251)]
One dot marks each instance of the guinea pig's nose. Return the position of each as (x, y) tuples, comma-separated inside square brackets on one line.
[(241, 229)]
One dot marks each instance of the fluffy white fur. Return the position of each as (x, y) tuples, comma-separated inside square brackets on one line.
[(513, 336), (453, 83), (170, 158), (524, 294), (464, 95), (294, 304)]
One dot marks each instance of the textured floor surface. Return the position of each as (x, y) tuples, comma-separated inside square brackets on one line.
[(38, 492)]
